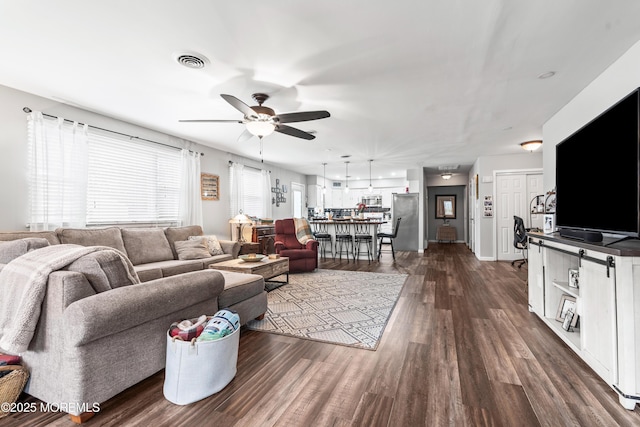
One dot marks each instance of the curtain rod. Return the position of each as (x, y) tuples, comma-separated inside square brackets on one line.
[(248, 166), (28, 110)]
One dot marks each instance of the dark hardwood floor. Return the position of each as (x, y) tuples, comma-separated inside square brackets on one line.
[(460, 349)]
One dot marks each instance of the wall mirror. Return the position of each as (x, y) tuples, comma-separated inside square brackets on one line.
[(446, 207)]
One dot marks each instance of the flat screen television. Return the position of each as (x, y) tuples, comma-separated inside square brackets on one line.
[(597, 173)]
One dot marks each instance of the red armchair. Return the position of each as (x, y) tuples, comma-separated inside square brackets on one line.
[(302, 258)]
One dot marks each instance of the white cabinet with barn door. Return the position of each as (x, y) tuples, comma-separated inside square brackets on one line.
[(601, 284)]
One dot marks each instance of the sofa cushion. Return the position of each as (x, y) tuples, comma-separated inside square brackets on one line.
[(239, 287), (168, 268), (11, 250), (175, 234), (212, 243), (110, 236), (145, 245), (104, 270), (51, 236), (191, 249)]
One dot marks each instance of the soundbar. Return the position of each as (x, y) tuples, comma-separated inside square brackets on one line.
[(584, 235)]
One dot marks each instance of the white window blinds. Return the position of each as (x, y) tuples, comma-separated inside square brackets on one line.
[(253, 192), (122, 181), (131, 182)]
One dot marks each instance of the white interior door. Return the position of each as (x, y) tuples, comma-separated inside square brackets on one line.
[(514, 192)]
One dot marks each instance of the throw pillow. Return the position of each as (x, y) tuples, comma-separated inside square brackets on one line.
[(191, 249), (211, 242)]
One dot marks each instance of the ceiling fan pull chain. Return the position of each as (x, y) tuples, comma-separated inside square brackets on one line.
[(261, 156)]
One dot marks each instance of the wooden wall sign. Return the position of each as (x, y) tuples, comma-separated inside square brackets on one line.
[(209, 186)]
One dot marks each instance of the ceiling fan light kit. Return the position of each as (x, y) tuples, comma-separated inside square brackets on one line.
[(262, 121)]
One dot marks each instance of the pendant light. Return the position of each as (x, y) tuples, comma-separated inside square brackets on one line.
[(346, 175), (370, 185), (324, 178)]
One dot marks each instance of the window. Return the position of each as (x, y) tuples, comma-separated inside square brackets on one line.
[(111, 179), (131, 182), (253, 192), (250, 191)]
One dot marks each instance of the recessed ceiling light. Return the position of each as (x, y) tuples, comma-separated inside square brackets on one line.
[(547, 75)]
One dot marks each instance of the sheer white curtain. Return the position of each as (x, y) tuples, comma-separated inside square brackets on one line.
[(267, 210), (190, 200), (236, 189), (57, 172)]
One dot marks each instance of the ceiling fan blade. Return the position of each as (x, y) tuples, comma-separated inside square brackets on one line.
[(302, 116), (240, 106), (210, 121), (288, 130), (245, 136)]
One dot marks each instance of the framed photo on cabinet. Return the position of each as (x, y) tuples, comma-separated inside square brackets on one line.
[(209, 186), (567, 306)]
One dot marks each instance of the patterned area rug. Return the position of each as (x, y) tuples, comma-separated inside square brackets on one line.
[(341, 307)]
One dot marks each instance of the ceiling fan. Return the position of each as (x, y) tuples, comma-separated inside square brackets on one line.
[(261, 121)]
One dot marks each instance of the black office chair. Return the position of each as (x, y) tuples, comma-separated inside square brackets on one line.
[(390, 236), (519, 240)]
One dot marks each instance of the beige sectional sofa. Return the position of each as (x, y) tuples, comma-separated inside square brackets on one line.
[(90, 344)]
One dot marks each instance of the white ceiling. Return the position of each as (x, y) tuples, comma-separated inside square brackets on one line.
[(408, 83)]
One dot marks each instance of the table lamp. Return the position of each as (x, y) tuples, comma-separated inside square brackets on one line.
[(240, 221)]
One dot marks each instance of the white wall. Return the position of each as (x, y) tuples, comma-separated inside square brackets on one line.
[(13, 161), (617, 81)]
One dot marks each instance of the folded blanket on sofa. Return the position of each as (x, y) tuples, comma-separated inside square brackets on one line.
[(23, 284), (303, 230)]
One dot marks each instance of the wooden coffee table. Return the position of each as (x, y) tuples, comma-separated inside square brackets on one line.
[(267, 268)]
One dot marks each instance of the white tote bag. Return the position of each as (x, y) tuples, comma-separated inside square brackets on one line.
[(195, 370)]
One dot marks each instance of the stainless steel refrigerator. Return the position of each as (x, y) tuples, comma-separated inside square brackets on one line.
[(405, 206)]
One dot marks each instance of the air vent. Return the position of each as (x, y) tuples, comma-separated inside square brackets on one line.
[(191, 60)]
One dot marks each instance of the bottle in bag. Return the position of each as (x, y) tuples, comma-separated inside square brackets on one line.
[(223, 323)]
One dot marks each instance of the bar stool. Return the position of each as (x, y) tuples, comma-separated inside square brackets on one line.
[(344, 240), (322, 235), (362, 235)]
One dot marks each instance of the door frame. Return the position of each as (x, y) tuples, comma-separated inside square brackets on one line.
[(294, 187), (494, 223)]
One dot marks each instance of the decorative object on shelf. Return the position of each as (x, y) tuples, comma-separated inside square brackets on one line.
[(573, 278), (568, 319), (567, 303), (240, 221), (531, 146), (488, 207), (446, 207), (550, 202), (278, 191), (549, 224), (209, 186)]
